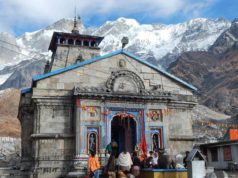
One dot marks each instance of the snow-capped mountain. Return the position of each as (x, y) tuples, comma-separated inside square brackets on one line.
[(39, 40), (9, 49), (160, 39), (157, 43), (214, 72), (23, 57), (226, 40)]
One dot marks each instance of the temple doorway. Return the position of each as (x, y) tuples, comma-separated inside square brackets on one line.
[(123, 131)]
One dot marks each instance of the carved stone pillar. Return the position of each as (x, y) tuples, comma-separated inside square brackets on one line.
[(77, 126)]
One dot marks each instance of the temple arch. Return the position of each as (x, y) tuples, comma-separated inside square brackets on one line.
[(124, 131)]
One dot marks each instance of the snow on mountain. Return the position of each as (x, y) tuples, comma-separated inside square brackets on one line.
[(160, 39), (4, 77), (8, 49), (226, 40), (157, 43), (39, 40), (13, 51)]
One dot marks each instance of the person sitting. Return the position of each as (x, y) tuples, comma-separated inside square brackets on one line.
[(185, 159), (179, 161), (111, 166), (121, 174), (163, 160), (124, 161), (93, 165), (149, 160), (155, 159), (172, 164), (136, 164)]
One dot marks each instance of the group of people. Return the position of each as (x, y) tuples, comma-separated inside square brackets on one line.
[(127, 165), (122, 165)]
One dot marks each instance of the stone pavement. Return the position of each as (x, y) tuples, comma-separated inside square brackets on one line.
[(226, 174), (232, 174)]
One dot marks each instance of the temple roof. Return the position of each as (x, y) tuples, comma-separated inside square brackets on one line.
[(56, 35), (160, 70)]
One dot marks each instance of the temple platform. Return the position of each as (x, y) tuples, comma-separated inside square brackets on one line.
[(164, 173)]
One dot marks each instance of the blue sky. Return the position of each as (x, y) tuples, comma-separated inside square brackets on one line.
[(17, 16)]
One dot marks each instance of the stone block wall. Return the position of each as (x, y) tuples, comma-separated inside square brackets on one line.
[(68, 55), (96, 75)]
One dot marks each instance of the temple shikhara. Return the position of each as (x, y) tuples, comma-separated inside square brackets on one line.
[(84, 100)]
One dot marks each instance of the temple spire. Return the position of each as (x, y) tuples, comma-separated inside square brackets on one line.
[(75, 28)]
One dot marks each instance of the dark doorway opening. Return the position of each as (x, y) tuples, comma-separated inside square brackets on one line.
[(123, 131)]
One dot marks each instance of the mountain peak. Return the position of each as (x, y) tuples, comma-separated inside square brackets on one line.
[(123, 21), (227, 39), (235, 21), (65, 25), (205, 20), (200, 19), (131, 22)]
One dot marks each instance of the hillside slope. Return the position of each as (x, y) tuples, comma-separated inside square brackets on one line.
[(214, 72), (9, 124)]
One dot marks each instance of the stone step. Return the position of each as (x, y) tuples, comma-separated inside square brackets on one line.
[(8, 172)]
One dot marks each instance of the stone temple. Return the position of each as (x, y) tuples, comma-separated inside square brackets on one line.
[(84, 100)]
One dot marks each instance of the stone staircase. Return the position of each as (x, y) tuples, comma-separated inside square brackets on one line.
[(9, 172)]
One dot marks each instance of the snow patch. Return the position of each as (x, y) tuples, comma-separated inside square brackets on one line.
[(130, 22), (4, 77)]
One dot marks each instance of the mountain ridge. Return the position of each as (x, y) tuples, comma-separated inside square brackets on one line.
[(159, 44), (214, 72)]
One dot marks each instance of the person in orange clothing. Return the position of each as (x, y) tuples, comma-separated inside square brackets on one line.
[(93, 165)]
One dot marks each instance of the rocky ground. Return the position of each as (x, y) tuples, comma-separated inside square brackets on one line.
[(207, 124)]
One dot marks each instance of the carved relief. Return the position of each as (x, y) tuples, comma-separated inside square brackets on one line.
[(90, 113), (92, 139), (156, 139), (155, 115), (125, 82), (122, 63)]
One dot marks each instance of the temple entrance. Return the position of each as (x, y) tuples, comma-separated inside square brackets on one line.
[(123, 131)]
